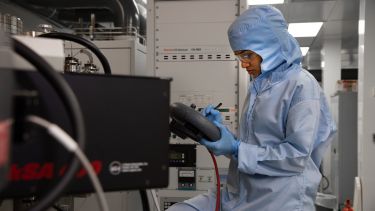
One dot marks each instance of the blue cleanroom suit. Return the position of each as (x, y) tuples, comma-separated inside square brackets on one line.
[(284, 130)]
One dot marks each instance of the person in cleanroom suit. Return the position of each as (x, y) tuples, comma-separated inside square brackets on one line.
[(285, 126)]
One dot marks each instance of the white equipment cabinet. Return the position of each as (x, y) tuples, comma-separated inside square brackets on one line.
[(344, 147), (187, 41)]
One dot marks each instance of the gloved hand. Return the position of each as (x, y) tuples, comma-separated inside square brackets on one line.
[(226, 145), (212, 114)]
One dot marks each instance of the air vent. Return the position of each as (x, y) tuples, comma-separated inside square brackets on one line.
[(195, 57)]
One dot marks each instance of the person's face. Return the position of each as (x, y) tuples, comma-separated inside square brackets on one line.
[(250, 61)]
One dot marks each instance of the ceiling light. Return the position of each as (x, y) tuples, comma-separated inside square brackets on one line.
[(361, 27), (304, 29), (258, 2), (304, 50)]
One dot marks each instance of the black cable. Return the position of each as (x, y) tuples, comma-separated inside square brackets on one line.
[(75, 114), (144, 199), (327, 181), (323, 178), (86, 43)]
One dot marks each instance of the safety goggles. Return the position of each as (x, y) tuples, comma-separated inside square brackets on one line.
[(246, 56)]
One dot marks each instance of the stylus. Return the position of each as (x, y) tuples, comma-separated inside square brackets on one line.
[(218, 106)]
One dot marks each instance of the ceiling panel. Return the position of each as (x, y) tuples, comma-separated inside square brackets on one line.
[(305, 41), (332, 29), (345, 10), (307, 11)]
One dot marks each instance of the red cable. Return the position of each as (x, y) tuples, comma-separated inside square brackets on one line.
[(217, 183)]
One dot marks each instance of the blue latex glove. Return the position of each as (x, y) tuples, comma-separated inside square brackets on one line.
[(212, 114), (226, 145)]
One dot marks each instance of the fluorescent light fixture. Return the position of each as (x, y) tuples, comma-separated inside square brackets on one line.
[(304, 50), (258, 2), (361, 27), (304, 29), (322, 64)]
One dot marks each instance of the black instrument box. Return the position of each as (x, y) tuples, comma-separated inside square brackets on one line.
[(127, 134)]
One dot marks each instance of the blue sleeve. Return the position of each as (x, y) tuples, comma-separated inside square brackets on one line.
[(287, 158)]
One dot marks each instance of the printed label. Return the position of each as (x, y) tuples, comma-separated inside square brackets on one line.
[(116, 167)]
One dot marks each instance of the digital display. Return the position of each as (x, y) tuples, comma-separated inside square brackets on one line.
[(182, 155)]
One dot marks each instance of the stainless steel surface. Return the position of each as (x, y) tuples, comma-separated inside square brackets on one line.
[(11, 24), (117, 13), (111, 33), (72, 65), (46, 28), (90, 68)]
